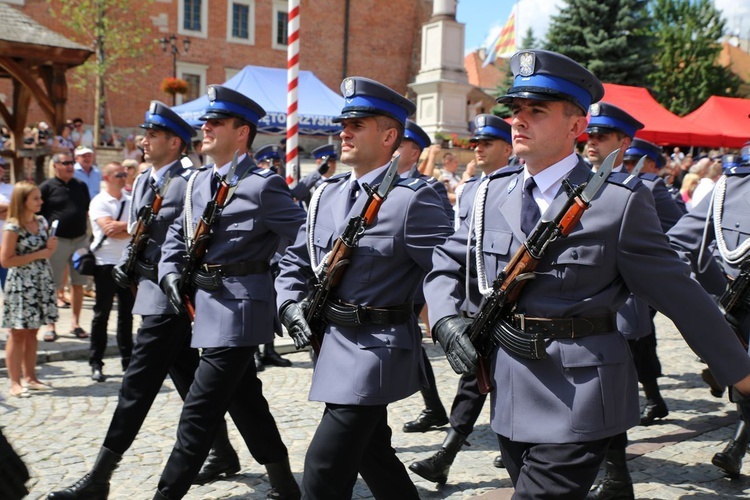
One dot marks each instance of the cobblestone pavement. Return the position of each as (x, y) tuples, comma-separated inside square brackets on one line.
[(59, 432)]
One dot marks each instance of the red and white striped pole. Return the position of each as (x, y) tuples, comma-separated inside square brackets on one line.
[(292, 78)]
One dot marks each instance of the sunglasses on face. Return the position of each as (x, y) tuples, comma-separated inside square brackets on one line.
[(67, 163), (120, 175)]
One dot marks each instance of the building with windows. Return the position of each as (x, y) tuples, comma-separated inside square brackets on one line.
[(338, 38)]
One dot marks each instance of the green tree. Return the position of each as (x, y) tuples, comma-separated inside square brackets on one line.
[(529, 41), (687, 34), (609, 37), (120, 32)]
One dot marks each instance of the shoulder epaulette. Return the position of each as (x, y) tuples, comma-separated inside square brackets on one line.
[(624, 179), (428, 179), (741, 170), (649, 177), (413, 183), (263, 172), (337, 177), (187, 172), (506, 171), (471, 179)]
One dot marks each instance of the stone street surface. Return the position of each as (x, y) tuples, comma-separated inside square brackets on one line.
[(59, 432)]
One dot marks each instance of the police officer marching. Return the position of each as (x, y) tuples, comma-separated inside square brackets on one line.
[(722, 218), (492, 151), (163, 341), (611, 128), (233, 294), (371, 333), (556, 410)]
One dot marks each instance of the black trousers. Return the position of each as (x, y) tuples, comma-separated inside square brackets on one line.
[(647, 364), (467, 405), (349, 440), (106, 290), (553, 471), (225, 381), (162, 346)]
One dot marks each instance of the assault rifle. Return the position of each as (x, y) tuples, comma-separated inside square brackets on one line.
[(338, 259), (198, 245), (146, 216), (736, 298), (491, 326)]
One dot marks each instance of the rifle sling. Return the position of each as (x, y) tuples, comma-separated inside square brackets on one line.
[(343, 314), (147, 270)]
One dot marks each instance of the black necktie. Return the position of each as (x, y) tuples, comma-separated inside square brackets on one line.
[(529, 209), (215, 181), (353, 193)]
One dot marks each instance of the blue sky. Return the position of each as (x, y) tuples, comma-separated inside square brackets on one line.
[(485, 17)]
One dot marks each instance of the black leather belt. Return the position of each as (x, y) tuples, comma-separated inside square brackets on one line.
[(209, 276), (566, 328), (147, 270), (343, 314), (237, 268)]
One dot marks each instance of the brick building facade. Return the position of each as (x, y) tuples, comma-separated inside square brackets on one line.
[(381, 40)]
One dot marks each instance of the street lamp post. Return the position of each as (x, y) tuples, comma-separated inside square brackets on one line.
[(171, 44)]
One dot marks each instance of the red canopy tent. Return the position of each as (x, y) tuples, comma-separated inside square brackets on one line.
[(730, 116), (661, 126)]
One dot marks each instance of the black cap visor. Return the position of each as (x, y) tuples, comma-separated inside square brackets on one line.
[(362, 113), (536, 93)]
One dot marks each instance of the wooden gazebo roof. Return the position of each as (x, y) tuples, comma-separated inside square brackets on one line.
[(30, 52)]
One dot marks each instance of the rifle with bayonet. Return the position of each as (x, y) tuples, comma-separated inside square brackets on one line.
[(198, 245), (338, 259), (491, 325), (736, 299), (146, 217)]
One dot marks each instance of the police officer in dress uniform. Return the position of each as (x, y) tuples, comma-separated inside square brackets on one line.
[(414, 142), (163, 341), (555, 416), (722, 219), (233, 297), (611, 128), (371, 333), (325, 160), (492, 151)]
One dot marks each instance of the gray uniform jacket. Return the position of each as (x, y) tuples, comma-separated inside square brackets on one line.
[(258, 214), (371, 364), (634, 318), (150, 300), (686, 236), (586, 388), (438, 186)]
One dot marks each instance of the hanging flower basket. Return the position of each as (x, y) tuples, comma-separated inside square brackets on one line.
[(174, 86)]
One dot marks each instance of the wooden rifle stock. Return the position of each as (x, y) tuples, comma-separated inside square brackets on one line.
[(201, 238), (138, 241)]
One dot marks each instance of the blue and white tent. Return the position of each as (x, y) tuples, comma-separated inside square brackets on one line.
[(317, 104)]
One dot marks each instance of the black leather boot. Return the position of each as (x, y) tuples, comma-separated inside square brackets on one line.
[(125, 362), (283, 484), (259, 366), (616, 484), (271, 357), (730, 458), (159, 496), (655, 405), (498, 462), (95, 484), (436, 467), (222, 460), (433, 415)]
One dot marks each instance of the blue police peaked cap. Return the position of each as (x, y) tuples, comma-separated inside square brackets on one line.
[(730, 160), (365, 97), (491, 127), (224, 102), (160, 117), (639, 147), (606, 118), (415, 134), (325, 151), (269, 152), (745, 152), (549, 76)]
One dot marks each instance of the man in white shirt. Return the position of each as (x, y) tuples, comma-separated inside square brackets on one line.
[(108, 214)]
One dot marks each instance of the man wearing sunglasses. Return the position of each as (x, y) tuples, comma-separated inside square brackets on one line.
[(66, 199), (108, 213)]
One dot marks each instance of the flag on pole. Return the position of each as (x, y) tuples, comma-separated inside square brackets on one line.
[(504, 45)]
